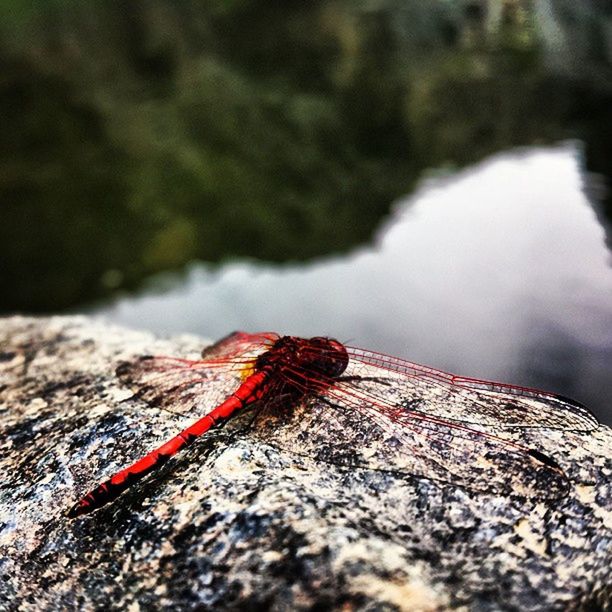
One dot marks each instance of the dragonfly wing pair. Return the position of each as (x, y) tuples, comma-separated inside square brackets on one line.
[(382, 413)]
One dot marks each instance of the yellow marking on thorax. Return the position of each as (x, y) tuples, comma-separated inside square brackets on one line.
[(247, 370)]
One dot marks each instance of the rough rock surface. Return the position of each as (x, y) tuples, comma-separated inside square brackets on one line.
[(235, 523)]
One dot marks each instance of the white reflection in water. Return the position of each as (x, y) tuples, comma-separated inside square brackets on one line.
[(500, 271)]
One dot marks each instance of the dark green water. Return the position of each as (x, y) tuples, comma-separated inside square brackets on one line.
[(138, 138)]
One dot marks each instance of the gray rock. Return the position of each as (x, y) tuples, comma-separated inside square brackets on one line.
[(238, 522)]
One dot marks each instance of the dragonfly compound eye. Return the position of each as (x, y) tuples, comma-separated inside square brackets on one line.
[(327, 356)]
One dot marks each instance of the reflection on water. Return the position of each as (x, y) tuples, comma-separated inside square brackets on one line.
[(500, 271)]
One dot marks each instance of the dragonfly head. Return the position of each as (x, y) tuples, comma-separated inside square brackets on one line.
[(302, 359), (323, 355)]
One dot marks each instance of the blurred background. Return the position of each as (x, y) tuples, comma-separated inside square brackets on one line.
[(429, 179)]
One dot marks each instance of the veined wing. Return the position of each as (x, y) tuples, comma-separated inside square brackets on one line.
[(431, 392), (364, 420), (473, 456), (194, 386)]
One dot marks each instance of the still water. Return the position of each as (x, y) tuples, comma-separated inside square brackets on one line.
[(498, 271)]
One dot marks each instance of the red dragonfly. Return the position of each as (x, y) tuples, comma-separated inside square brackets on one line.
[(350, 406)]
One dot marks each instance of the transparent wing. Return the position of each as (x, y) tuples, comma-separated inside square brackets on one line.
[(470, 400), (194, 386), (391, 419), (353, 424)]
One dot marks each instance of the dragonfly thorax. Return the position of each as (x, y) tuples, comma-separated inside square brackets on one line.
[(308, 362)]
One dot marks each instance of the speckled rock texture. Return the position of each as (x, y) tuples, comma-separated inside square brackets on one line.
[(235, 522)]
